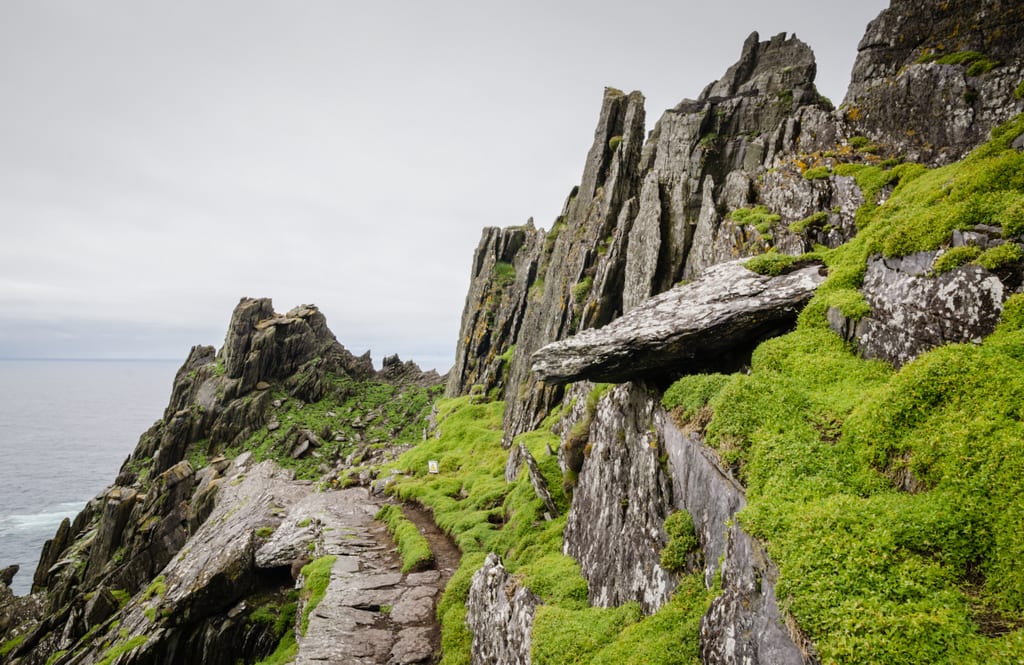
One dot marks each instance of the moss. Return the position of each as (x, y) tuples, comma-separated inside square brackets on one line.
[(682, 541), (811, 221), (121, 596), (287, 649), (303, 523), (503, 273), (770, 263), (317, 575), (955, 257), (582, 289), (412, 546), (264, 532), (817, 173), (759, 217), (156, 589), (564, 637), (691, 393), (120, 648), (668, 637), (57, 655), (614, 142), (11, 644), (1018, 93), (976, 63), (999, 256)]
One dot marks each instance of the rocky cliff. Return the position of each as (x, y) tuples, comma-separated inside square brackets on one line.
[(811, 322)]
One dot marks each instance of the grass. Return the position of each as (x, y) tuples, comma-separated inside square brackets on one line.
[(771, 263), (317, 574), (390, 415), (156, 589), (816, 220), (120, 648), (976, 63), (682, 540), (12, 644), (817, 173), (504, 273), (412, 546)]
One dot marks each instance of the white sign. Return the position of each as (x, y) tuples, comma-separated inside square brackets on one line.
[(433, 466)]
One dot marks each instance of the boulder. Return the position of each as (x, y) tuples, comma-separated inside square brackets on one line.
[(500, 614), (697, 326)]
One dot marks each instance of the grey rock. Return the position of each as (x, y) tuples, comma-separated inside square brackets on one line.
[(101, 606), (539, 482), (7, 574), (927, 111), (614, 529), (412, 646), (500, 614), (687, 328), (912, 312)]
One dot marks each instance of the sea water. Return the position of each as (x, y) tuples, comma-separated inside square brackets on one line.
[(66, 426)]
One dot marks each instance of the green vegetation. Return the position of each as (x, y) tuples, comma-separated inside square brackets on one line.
[(582, 290), (504, 273), (279, 614), (955, 257), (390, 415), (682, 541), (156, 589), (817, 173), (614, 142), (890, 499), (120, 648), (285, 652), (303, 523), (12, 644), (999, 256), (57, 655), (815, 220), (471, 501), (1018, 93), (121, 596), (317, 574), (412, 546), (976, 63), (264, 532), (771, 263), (759, 217), (688, 396)]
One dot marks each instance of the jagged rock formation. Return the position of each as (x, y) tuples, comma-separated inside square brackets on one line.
[(188, 525), (500, 614), (704, 325), (903, 96), (504, 268)]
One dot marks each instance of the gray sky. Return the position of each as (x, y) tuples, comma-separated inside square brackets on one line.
[(160, 160)]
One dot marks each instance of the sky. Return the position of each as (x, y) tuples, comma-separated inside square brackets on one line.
[(161, 160)]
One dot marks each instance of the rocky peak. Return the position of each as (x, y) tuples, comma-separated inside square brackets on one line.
[(766, 68), (932, 79)]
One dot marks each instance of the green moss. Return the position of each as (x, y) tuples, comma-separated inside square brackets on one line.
[(120, 648), (264, 532), (999, 256), (976, 63), (582, 289), (317, 575), (1018, 93), (759, 217), (504, 273), (691, 393), (287, 649), (682, 541), (668, 637), (156, 589), (412, 546), (955, 257), (816, 220), (303, 523), (566, 637), (770, 263), (614, 142), (57, 655), (121, 596), (11, 645), (817, 173)]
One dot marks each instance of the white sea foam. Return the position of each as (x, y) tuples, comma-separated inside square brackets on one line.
[(47, 519)]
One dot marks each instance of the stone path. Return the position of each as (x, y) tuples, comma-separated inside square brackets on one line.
[(372, 612)]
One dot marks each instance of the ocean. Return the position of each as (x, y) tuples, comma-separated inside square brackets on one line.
[(66, 426)]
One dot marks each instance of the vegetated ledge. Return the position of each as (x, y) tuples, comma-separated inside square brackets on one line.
[(711, 324)]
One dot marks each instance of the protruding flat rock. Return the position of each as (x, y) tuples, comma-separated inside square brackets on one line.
[(696, 326)]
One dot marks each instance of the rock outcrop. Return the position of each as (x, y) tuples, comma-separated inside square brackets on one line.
[(932, 79), (913, 310), (500, 614), (707, 324)]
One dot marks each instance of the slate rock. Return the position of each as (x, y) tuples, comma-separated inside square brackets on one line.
[(693, 326), (500, 614)]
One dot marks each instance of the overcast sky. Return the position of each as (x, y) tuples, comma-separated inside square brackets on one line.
[(160, 160)]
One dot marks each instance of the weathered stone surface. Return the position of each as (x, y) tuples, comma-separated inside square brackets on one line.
[(912, 311), (697, 325), (500, 615), (540, 484), (622, 496), (932, 112), (504, 267)]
